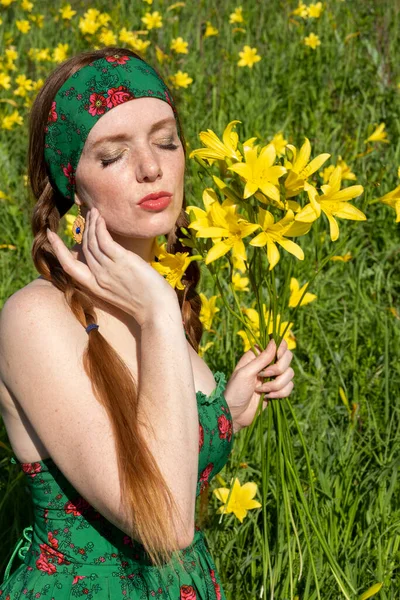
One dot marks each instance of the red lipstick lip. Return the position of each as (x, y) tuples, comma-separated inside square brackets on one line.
[(154, 196)]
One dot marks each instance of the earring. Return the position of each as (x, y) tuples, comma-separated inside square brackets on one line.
[(78, 227)]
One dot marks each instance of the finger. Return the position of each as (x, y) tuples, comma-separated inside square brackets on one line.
[(283, 393), (105, 242), (280, 382), (282, 348), (92, 237), (76, 269), (279, 367)]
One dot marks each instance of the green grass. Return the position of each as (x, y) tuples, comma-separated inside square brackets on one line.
[(335, 96)]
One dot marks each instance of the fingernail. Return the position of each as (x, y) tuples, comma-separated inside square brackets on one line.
[(48, 232)]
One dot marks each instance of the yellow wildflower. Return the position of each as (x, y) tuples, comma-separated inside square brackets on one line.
[(23, 26), (161, 56), (103, 19), (152, 20), (221, 221), (208, 310), (280, 143), (240, 284), (210, 30), (179, 46), (6, 2), (181, 79), (38, 19), (280, 327), (299, 170), (107, 37), (217, 150), (346, 171), (259, 172), (26, 5), (296, 293), (371, 591), (378, 135), (248, 57), (240, 501), (236, 16), (393, 199), (5, 81), (60, 52), (301, 10), (24, 85), (43, 54), (11, 54), (314, 10), (67, 12), (150, 2), (172, 266), (312, 41), (345, 258), (274, 233), (9, 121), (333, 203)]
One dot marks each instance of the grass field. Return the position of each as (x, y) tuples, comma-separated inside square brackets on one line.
[(336, 95)]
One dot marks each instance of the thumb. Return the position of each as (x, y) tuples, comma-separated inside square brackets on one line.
[(264, 358)]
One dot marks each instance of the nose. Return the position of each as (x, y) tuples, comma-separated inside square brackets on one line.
[(148, 167)]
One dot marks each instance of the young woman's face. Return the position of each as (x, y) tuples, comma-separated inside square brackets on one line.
[(115, 174)]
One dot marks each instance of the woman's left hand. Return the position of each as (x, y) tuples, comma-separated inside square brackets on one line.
[(244, 388)]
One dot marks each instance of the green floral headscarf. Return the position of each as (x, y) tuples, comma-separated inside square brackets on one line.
[(80, 102)]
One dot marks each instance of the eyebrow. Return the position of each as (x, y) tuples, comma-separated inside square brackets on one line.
[(124, 136)]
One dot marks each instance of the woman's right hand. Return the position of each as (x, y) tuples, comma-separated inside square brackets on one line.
[(114, 274)]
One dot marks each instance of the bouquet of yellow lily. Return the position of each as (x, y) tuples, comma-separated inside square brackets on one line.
[(268, 193)]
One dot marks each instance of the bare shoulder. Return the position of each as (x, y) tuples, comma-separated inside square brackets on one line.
[(34, 308)]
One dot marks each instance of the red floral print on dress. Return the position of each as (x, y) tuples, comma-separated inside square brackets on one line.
[(98, 104), (201, 436), (205, 475), (52, 114), (225, 428), (187, 592), (216, 585), (31, 469), (77, 578), (116, 58), (118, 96), (77, 507)]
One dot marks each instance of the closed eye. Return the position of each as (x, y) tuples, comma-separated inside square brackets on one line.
[(105, 163)]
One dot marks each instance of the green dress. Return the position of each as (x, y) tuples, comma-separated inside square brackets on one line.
[(72, 551)]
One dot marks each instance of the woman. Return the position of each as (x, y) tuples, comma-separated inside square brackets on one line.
[(114, 467)]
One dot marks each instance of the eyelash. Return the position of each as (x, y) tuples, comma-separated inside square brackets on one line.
[(105, 163)]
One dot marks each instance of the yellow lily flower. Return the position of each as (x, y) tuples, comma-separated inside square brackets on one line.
[(208, 310), (280, 143), (222, 221), (254, 325), (378, 135), (296, 293), (217, 150), (371, 591), (203, 349), (172, 266), (393, 199), (333, 203), (344, 258), (241, 499), (273, 233), (259, 172), (346, 171), (240, 284), (299, 170)]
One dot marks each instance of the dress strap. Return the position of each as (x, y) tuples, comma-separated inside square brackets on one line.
[(27, 534)]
